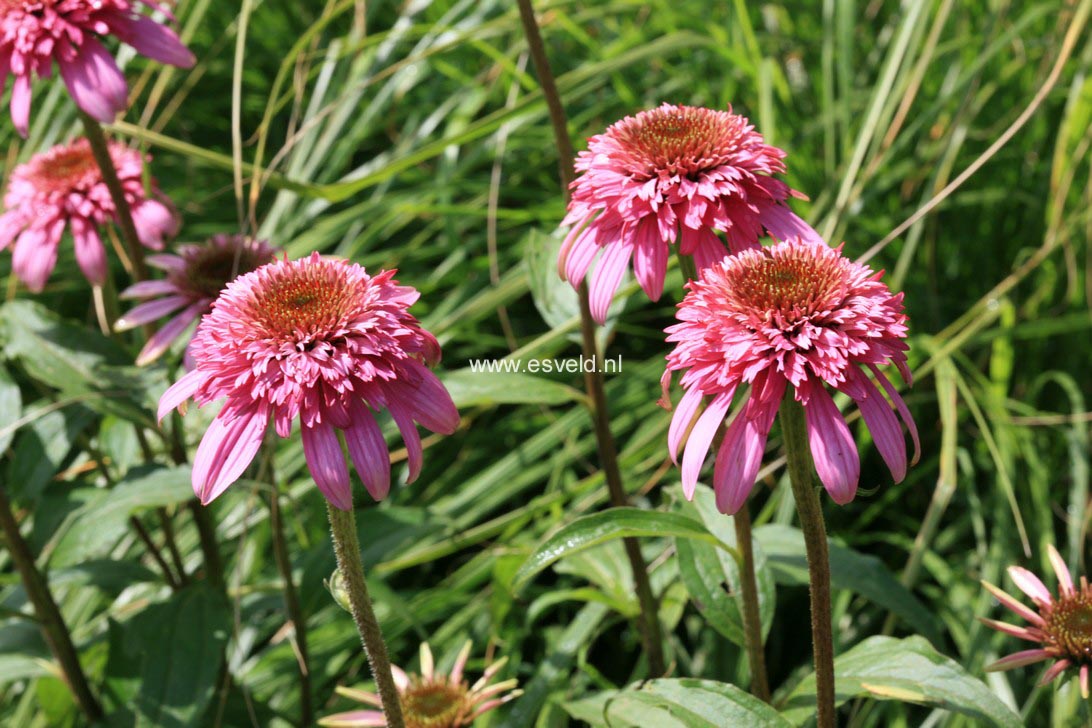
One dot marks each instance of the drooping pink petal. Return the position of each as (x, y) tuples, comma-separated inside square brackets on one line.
[(226, 450), (903, 410), (1084, 681), (681, 420), (701, 436), (96, 83), (178, 393), (832, 446), (432, 405), (151, 311), (410, 436), (154, 222), (161, 340), (327, 463), (1022, 632), (1018, 659), (20, 104), (881, 422), (606, 278), (368, 450), (1030, 584), (33, 258), (784, 225), (1054, 671), (740, 455), (155, 41), (148, 289), (649, 258), (355, 719)]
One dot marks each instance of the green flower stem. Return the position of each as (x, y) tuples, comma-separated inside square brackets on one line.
[(49, 616), (101, 151), (648, 622), (815, 542), (347, 550)]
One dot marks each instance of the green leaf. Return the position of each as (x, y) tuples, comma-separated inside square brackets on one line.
[(93, 529), (908, 670), (11, 407), (849, 569), (597, 528), (23, 652), (76, 361), (678, 703), (712, 576), (178, 677), (475, 389), (41, 448)]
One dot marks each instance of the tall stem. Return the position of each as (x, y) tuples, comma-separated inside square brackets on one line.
[(49, 616), (292, 604), (101, 150), (347, 550), (752, 622), (648, 622), (206, 534), (800, 466)]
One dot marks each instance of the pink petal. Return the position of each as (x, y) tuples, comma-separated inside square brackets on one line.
[(1065, 581), (456, 674), (34, 257), (410, 436), (225, 452), (154, 222), (1022, 632), (161, 340), (580, 257), (327, 463), (1018, 659), (179, 392), (1030, 584), (369, 451), (832, 446), (148, 289), (740, 454), (20, 104), (681, 420), (90, 255), (11, 224), (606, 278), (1020, 609), (354, 719), (156, 41), (1054, 671), (784, 225), (1084, 681), (900, 405), (150, 311), (95, 82), (709, 251), (881, 422), (701, 436), (430, 400), (650, 258)]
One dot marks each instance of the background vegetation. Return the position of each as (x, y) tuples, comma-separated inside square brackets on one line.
[(414, 135)]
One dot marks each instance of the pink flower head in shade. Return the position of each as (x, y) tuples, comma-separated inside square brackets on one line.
[(63, 188), (794, 314), (195, 278), (321, 340), (35, 33), (675, 174), (431, 699), (1061, 625)]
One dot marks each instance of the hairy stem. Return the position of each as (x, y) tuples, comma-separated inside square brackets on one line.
[(815, 542), (49, 616), (648, 622), (752, 622), (347, 550)]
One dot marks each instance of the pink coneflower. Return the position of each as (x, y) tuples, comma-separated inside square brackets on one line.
[(322, 340), (35, 33), (63, 187), (1061, 625), (431, 699), (673, 174), (195, 278), (798, 314)]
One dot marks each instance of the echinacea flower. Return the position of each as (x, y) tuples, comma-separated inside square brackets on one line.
[(63, 188), (1061, 625), (800, 315), (321, 340), (431, 699), (35, 33), (195, 277), (672, 175)]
